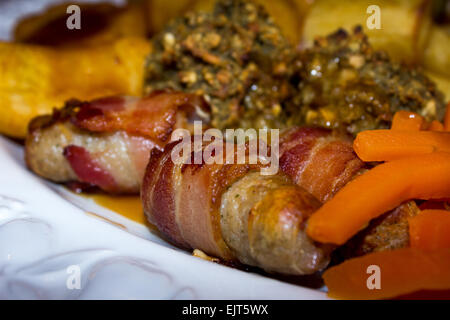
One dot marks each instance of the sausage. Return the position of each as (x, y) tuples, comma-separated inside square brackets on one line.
[(263, 221), (233, 212), (107, 142)]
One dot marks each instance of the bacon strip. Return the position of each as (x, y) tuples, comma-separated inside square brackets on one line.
[(200, 199), (153, 116), (183, 200), (160, 193), (318, 161), (88, 170)]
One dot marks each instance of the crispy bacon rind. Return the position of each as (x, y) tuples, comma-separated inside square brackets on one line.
[(318, 160), (153, 116)]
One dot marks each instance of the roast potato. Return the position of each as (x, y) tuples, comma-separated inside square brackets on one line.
[(442, 82), (35, 79), (405, 24), (437, 52)]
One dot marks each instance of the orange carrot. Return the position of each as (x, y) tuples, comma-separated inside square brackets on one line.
[(447, 118), (436, 126), (430, 230), (400, 272), (406, 120), (387, 145), (377, 191)]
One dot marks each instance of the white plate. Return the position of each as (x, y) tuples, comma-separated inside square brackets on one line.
[(46, 237)]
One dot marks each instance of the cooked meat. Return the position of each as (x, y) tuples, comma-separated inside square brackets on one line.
[(111, 161), (263, 220), (388, 232), (335, 163), (347, 85), (106, 142), (235, 56), (233, 212)]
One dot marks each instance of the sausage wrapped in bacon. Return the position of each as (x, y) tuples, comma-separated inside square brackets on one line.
[(107, 142), (233, 212)]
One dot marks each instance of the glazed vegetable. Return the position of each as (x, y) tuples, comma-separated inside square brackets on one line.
[(387, 145), (406, 120), (401, 271), (377, 191), (430, 230)]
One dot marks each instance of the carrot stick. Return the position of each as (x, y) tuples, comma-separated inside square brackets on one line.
[(436, 126), (400, 272), (387, 145), (377, 191), (447, 118), (406, 120), (430, 230)]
